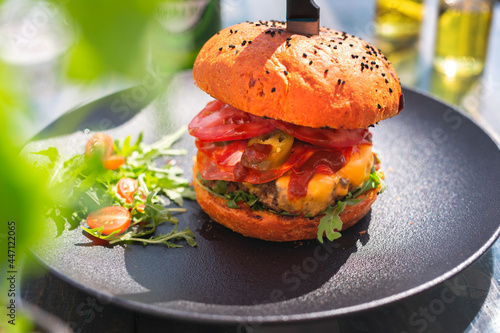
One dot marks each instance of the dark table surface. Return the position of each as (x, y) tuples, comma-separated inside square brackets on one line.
[(469, 301)]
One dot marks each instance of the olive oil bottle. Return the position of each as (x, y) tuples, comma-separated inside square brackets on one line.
[(462, 37), (398, 19)]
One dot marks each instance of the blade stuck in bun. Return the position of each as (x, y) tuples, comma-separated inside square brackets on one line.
[(284, 150)]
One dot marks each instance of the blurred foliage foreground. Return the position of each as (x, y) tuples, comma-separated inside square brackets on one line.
[(109, 37)]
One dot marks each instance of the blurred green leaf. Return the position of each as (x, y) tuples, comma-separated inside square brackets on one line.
[(112, 38)]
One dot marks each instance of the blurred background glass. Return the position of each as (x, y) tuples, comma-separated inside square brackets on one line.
[(463, 31), (398, 19)]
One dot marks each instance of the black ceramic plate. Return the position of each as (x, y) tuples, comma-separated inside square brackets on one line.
[(439, 213)]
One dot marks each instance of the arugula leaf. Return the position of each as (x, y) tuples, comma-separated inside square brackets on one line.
[(331, 224), (52, 153)]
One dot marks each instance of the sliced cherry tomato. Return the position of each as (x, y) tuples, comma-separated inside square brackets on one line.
[(113, 162), (99, 144), (221, 122), (126, 188), (112, 218), (326, 138)]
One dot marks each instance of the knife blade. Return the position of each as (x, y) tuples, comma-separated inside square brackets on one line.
[(302, 17)]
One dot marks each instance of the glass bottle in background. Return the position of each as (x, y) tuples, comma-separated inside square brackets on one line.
[(462, 36), (398, 19), (180, 29)]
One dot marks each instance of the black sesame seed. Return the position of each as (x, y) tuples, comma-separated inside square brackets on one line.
[(237, 51), (335, 47), (383, 74), (304, 55), (351, 45), (326, 71), (353, 56), (273, 33), (339, 81), (243, 43), (249, 42), (235, 31), (376, 66), (258, 25), (386, 81), (371, 68), (273, 90), (343, 82), (390, 90), (267, 72), (220, 48), (364, 57), (231, 46), (340, 42), (231, 30), (310, 62), (286, 73), (379, 106)]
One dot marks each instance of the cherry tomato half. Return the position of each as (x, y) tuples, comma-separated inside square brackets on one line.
[(126, 188), (112, 218), (113, 162), (326, 138), (221, 122), (99, 144)]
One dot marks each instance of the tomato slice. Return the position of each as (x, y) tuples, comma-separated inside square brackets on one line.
[(99, 144), (126, 188), (221, 122), (326, 138), (113, 162), (111, 218)]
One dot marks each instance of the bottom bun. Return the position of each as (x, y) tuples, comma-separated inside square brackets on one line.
[(270, 226)]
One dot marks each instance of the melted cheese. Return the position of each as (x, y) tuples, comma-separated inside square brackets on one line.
[(358, 169), (322, 189)]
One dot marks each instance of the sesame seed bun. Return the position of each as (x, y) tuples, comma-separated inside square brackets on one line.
[(330, 80), (270, 226)]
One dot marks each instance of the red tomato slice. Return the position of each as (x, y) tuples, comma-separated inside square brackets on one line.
[(326, 138), (113, 162), (221, 122), (126, 188), (99, 144), (112, 218)]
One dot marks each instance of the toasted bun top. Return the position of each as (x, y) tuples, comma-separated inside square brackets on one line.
[(331, 80)]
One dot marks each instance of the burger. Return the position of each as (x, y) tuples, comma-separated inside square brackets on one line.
[(284, 152)]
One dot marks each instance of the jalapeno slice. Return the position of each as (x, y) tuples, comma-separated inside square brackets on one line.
[(268, 151)]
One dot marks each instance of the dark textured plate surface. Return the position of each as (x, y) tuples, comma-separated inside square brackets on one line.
[(439, 213)]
